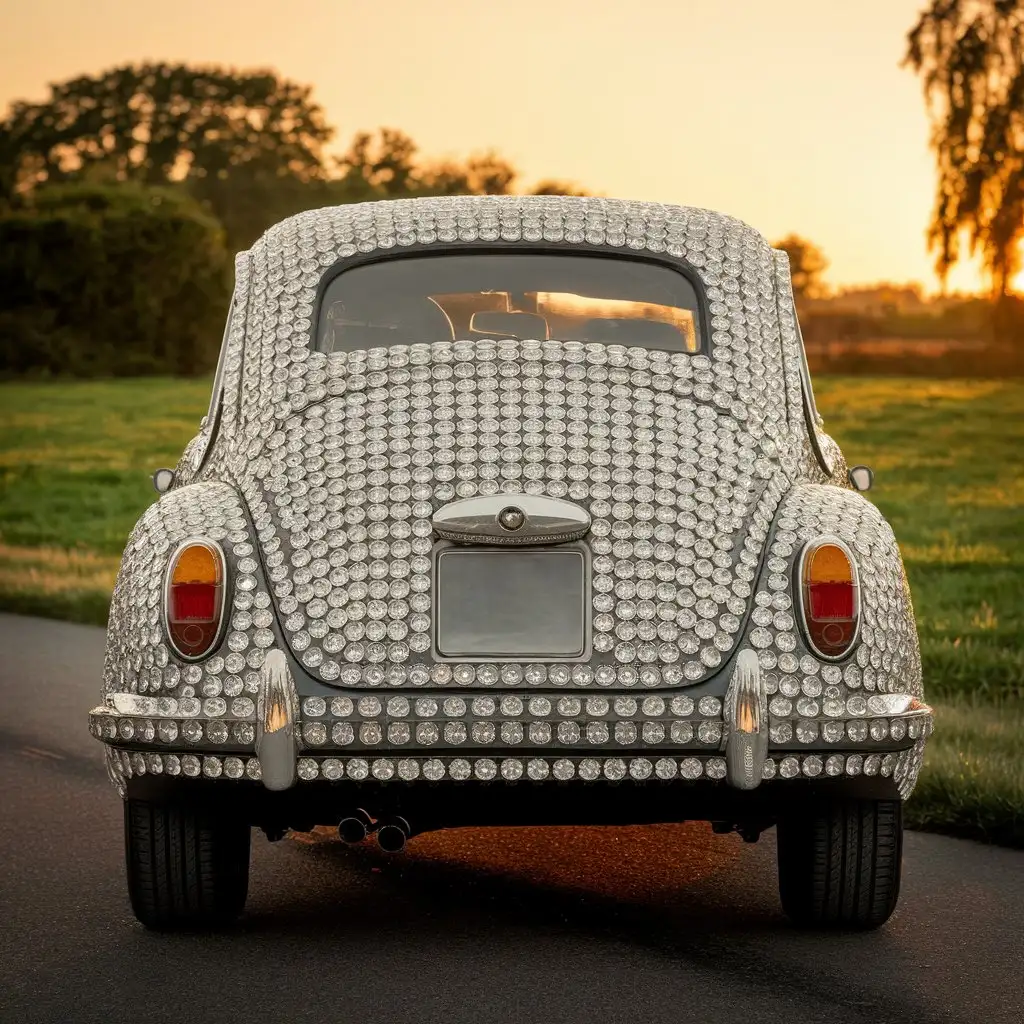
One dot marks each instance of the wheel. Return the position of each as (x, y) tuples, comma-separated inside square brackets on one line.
[(186, 868), (839, 863)]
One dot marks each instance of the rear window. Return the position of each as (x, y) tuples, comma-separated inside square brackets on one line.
[(425, 299)]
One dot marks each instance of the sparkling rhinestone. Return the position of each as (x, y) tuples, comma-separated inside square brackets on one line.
[(857, 731), (342, 734), (710, 706), (806, 731)]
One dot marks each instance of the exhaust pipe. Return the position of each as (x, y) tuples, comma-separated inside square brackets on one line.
[(393, 834), (356, 827)]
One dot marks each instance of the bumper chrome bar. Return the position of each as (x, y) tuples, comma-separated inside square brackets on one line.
[(276, 715), (746, 724)]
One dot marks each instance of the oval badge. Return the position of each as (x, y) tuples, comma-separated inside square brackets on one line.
[(511, 519)]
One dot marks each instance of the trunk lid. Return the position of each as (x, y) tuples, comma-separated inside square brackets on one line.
[(679, 492)]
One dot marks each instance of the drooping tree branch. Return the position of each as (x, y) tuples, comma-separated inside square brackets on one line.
[(970, 57)]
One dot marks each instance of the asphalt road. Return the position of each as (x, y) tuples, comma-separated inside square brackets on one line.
[(660, 923)]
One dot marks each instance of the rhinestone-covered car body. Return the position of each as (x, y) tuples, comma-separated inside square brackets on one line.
[(694, 480)]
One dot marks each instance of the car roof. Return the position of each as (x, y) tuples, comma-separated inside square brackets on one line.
[(566, 220)]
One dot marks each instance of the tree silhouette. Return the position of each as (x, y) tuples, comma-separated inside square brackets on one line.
[(249, 145), (807, 264), (384, 166), (218, 131), (557, 187), (970, 56), (377, 168)]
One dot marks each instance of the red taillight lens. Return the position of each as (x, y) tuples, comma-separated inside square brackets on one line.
[(830, 597), (193, 602), (834, 600), (195, 597)]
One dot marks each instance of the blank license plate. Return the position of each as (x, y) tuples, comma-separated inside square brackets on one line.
[(511, 603)]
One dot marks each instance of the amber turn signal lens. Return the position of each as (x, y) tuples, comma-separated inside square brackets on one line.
[(195, 598), (830, 597)]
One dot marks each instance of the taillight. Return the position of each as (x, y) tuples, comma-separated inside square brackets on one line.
[(194, 597), (829, 597)]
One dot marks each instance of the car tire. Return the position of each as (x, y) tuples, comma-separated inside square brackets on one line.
[(186, 868), (840, 863)]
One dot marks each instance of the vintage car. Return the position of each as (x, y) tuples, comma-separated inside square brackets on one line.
[(512, 510)]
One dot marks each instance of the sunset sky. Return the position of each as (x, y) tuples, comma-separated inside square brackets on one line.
[(792, 114)]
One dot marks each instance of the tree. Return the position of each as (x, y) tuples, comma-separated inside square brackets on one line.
[(483, 174), (970, 56), (807, 264), (557, 187), (99, 280), (248, 145), (385, 167), (377, 168), (221, 132)]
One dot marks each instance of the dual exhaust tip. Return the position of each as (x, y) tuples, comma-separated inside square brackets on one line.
[(392, 832)]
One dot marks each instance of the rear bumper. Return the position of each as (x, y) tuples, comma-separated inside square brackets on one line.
[(622, 745), (543, 766), (281, 741), (449, 804), (498, 741)]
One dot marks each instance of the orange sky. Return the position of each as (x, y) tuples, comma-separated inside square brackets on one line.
[(792, 114)]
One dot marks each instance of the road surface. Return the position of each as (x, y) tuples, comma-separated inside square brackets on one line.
[(662, 923)]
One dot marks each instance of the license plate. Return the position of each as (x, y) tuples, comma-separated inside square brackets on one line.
[(511, 603)]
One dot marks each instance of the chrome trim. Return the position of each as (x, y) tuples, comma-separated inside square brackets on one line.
[(812, 417), (475, 520), (746, 723), (222, 605), (276, 714), (798, 584)]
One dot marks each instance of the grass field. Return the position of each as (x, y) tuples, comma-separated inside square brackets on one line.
[(948, 457)]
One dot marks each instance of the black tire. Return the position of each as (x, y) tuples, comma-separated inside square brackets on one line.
[(186, 868), (840, 863)]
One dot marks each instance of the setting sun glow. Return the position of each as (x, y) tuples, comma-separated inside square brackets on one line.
[(794, 115)]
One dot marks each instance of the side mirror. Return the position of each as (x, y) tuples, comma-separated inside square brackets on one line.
[(861, 478), (163, 480)]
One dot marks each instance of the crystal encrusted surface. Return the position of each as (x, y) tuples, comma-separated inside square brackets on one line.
[(886, 658), (139, 658), (681, 493), (681, 459), (124, 764)]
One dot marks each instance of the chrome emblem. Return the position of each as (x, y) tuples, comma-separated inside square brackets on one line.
[(511, 519)]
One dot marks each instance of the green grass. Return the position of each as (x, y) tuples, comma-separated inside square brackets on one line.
[(949, 476), (972, 784), (75, 457), (948, 455)]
